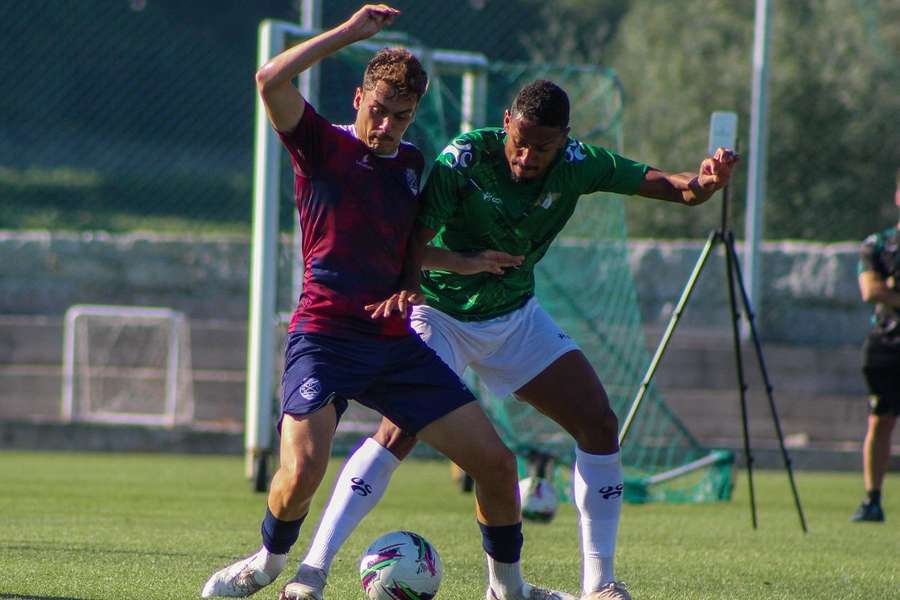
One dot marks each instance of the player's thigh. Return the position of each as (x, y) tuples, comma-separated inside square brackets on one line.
[(569, 392), (468, 438), (528, 342), (306, 441)]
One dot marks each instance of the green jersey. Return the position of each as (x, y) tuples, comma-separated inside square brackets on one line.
[(473, 204)]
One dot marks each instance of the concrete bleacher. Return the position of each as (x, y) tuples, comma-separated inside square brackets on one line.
[(818, 391)]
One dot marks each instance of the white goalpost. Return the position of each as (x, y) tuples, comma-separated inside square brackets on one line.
[(274, 37)]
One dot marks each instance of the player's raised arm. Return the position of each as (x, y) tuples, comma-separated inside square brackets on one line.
[(282, 100), (690, 188)]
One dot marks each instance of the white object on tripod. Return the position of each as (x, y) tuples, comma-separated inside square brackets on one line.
[(722, 131)]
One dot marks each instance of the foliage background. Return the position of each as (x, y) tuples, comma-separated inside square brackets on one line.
[(137, 114)]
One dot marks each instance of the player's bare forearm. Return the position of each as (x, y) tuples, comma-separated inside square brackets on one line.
[(441, 259), (470, 263), (282, 100), (410, 292), (417, 250), (691, 188), (673, 187), (876, 290)]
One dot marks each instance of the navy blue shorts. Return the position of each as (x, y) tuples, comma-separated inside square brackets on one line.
[(401, 378)]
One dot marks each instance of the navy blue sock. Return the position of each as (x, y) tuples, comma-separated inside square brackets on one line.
[(874, 496), (504, 543), (278, 536)]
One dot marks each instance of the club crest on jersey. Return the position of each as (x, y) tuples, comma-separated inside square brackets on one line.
[(575, 151), (310, 388), (412, 180), (548, 199)]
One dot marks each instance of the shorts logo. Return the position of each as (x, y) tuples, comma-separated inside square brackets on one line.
[(310, 388)]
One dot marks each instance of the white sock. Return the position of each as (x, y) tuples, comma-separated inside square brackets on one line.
[(598, 497), (270, 564), (505, 579), (358, 489)]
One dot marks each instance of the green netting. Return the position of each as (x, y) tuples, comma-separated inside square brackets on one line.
[(584, 282)]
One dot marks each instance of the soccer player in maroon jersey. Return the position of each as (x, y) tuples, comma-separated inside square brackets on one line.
[(357, 190)]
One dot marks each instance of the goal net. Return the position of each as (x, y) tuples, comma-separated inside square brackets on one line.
[(127, 365), (584, 282)]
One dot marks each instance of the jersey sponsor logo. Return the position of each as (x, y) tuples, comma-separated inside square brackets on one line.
[(460, 154), (575, 151), (310, 388), (412, 180), (360, 487), (489, 197), (364, 163), (548, 199)]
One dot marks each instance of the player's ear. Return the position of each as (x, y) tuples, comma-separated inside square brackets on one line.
[(357, 98), (506, 118)]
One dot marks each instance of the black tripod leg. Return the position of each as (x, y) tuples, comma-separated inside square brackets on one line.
[(765, 375), (664, 342), (730, 266)]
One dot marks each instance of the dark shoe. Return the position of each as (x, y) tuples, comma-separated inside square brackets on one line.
[(868, 512)]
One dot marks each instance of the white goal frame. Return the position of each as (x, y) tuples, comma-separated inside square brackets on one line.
[(471, 67), (178, 337)]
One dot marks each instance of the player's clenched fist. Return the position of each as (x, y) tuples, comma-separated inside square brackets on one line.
[(369, 20), (715, 172)]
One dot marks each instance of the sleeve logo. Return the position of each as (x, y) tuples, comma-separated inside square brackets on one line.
[(575, 151), (460, 154)]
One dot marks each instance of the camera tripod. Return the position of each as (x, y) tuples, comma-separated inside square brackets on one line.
[(724, 236)]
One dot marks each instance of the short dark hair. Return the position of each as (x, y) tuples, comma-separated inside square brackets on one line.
[(543, 103), (398, 68)]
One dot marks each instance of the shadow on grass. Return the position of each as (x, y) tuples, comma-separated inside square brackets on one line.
[(21, 597), (82, 549)]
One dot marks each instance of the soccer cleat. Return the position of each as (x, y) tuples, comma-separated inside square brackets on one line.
[(868, 511), (530, 592), (614, 590), (239, 580), (307, 584)]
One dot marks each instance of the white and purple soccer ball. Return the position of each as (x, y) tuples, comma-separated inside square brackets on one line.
[(539, 499), (400, 565)]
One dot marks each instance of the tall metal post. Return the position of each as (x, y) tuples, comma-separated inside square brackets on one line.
[(756, 171)]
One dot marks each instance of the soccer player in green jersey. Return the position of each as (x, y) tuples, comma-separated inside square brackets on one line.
[(493, 204)]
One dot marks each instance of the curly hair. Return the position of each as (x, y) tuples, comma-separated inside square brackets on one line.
[(398, 68), (542, 102)]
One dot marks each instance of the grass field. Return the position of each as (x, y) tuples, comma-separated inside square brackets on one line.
[(112, 526)]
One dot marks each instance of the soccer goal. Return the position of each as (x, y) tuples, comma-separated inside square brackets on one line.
[(127, 365)]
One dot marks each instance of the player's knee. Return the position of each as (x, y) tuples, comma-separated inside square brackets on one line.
[(395, 440), (600, 433)]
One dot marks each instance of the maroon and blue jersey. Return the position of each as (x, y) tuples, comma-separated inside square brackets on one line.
[(357, 211)]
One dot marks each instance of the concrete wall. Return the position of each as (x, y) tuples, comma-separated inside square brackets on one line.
[(811, 319)]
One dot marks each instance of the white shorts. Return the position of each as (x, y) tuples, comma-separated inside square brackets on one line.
[(506, 352)]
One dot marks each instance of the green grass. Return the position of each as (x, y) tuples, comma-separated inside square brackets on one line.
[(111, 526)]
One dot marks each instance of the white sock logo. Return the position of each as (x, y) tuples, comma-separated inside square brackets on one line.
[(609, 492), (360, 487)]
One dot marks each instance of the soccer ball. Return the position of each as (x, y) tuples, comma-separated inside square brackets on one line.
[(539, 500), (400, 565)]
